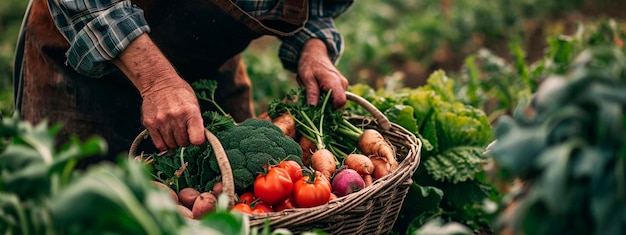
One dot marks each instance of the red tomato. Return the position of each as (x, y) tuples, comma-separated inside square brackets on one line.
[(257, 211), (241, 207), (247, 198), (265, 208), (273, 187), (332, 196), (287, 204), (294, 169), (311, 190)]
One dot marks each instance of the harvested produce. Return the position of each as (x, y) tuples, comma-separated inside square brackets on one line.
[(286, 204), (381, 167), (252, 145), (217, 188), (360, 163), (331, 139), (347, 181), (172, 193), (242, 207), (294, 169), (204, 204), (185, 211), (324, 162), (187, 196), (249, 146), (311, 190), (368, 180), (371, 142), (261, 207), (273, 186), (247, 198), (308, 148), (287, 124)]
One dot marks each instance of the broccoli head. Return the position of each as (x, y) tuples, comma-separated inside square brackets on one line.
[(253, 144)]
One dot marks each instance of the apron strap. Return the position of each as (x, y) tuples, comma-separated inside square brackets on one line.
[(287, 22), (18, 72)]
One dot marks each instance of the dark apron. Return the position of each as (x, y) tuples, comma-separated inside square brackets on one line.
[(203, 39)]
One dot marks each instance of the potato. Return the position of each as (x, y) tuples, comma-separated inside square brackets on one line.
[(204, 204), (217, 188), (185, 211), (170, 190), (187, 196)]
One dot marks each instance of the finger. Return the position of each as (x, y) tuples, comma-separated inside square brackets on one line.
[(169, 139), (157, 140), (311, 88), (339, 98), (339, 93), (195, 129), (180, 134)]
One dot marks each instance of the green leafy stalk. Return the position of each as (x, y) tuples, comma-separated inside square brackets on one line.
[(202, 86)]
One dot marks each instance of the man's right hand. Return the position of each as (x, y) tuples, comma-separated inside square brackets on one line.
[(172, 115), (170, 110)]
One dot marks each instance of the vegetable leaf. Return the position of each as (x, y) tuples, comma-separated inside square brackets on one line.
[(456, 164)]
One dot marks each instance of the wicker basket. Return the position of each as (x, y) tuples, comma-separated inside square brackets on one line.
[(372, 210)]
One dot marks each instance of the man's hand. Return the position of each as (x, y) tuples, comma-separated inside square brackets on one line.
[(170, 110), (317, 73)]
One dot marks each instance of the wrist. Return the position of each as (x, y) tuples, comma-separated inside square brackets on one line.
[(315, 46)]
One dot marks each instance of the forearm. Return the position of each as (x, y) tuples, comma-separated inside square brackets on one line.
[(145, 65), (170, 110)]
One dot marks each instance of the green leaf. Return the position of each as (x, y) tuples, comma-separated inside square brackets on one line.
[(102, 190), (456, 164), (227, 223), (420, 201), (441, 85), (13, 214), (402, 115), (438, 227)]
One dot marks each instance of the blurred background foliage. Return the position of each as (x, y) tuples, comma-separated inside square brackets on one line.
[(11, 13), (395, 42)]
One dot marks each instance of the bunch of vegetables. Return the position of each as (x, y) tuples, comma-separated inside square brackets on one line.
[(568, 150), (332, 145), (285, 186), (249, 146)]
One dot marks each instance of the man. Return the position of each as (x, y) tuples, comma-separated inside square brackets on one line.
[(112, 67)]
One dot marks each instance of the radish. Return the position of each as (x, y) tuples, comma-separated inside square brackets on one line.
[(347, 181)]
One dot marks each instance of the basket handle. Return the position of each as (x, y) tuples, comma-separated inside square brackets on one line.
[(381, 119), (228, 181)]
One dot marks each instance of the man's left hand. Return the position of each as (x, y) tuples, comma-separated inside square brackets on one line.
[(317, 73)]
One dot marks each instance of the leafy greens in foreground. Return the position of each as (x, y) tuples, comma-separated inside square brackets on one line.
[(569, 147), (42, 193)]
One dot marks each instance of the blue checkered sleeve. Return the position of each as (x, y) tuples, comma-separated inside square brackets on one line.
[(97, 30), (320, 25)]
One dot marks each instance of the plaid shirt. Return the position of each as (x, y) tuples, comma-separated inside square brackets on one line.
[(99, 30)]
